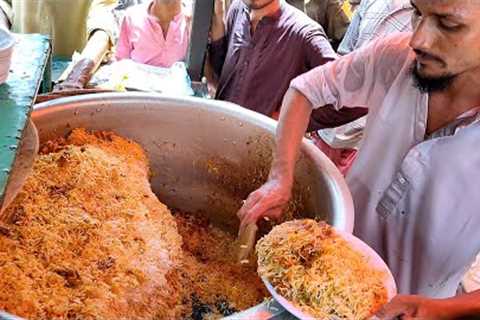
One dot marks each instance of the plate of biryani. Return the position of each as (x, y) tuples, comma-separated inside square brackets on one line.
[(318, 272)]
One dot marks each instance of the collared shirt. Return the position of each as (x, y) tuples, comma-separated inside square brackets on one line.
[(416, 197), (373, 19), (376, 18), (255, 70), (107, 15), (142, 40)]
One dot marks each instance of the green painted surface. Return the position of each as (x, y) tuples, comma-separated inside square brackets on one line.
[(30, 57), (59, 65)]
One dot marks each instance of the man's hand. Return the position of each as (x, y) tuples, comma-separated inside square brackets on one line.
[(219, 9), (218, 21), (273, 196), (414, 307), (78, 77), (268, 201), (92, 55)]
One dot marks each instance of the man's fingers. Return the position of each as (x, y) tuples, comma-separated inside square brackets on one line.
[(268, 201), (391, 314), (261, 210), (397, 309), (248, 204)]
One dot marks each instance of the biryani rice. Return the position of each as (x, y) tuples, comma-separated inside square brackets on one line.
[(90, 240), (312, 266)]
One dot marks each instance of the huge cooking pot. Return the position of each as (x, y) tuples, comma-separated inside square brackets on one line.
[(206, 156)]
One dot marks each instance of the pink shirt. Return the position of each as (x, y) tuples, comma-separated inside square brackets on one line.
[(141, 38)]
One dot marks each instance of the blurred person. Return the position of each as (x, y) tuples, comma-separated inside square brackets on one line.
[(354, 5), (63, 20), (260, 47), (81, 25), (329, 14), (157, 33)]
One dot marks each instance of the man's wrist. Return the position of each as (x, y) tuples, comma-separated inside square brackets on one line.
[(79, 76), (280, 171), (217, 19), (218, 28), (459, 307)]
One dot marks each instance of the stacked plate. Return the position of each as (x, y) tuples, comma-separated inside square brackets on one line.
[(7, 41)]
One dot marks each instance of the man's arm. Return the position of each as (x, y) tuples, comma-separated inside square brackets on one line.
[(466, 306), (218, 21), (347, 82), (218, 47), (92, 55), (270, 199), (100, 29)]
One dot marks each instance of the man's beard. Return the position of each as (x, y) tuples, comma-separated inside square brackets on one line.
[(431, 84)]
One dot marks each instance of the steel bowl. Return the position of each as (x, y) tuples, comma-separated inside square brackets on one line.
[(206, 157)]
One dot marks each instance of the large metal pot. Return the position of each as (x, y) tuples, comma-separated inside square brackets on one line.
[(206, 156)]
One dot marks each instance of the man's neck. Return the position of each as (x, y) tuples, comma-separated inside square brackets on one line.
[(257, 14), (446, 106), (165, 11)]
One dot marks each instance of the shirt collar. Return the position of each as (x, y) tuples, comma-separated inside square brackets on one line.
[(396, 5), (470, 113), (154, 18)]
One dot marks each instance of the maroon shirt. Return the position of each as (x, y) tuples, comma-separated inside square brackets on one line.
[(256, 70)]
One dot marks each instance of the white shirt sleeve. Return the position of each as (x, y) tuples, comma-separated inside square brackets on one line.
[(354, 79)]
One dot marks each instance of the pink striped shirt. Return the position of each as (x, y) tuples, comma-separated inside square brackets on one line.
[(142, 40)]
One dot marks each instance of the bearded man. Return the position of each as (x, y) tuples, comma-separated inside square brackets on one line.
[(414, 183)]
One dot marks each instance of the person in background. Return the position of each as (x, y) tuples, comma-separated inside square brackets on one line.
[(354, 5), (63, 20), (415, 182), (373, 19), (157, 33), (72, 26), (329, 14), (260, 48)]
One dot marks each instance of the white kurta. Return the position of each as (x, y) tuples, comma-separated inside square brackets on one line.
[(417, 201)]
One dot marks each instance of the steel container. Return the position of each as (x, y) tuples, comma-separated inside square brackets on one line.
[(206, 157)]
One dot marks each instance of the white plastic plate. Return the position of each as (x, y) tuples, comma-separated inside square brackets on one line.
[(375, 262)]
